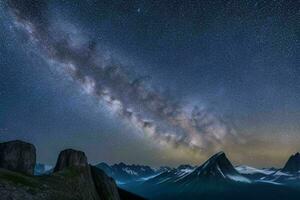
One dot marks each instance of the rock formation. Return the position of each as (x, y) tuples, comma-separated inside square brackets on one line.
[(70, 158), (105, 186), (73, 178), (18, 156)]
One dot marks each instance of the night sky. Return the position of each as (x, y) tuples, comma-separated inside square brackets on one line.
[(152, 82)]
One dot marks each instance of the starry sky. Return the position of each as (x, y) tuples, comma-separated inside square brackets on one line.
[(152, 82)]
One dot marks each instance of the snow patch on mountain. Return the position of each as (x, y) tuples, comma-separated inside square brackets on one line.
[(239, 178), (244, 169), (129, 171)]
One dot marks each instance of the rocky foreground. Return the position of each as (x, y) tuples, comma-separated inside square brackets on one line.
[(72, 179)]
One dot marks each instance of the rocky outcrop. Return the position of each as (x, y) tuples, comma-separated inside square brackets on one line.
[(293, 164), (18, 156), (74, 163), (73, 178), (70, 158), (105, 185)]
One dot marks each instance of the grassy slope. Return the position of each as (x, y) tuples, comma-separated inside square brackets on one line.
[(62, 185)]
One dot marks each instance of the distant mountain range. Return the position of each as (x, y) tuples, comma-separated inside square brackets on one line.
[(214, 178), (123, 173), (218, 166), (41, 169)]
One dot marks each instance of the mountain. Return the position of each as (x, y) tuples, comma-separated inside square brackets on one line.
[(124, 173), (163, 177), (288, 175), (184, 180), (72, 178), (106, 168), (41, 169), (162, 169), (185, 167), (214, 179), (253, 173), (270, 175), (279, 178), (293, 164), (216, 168), (171, 175)]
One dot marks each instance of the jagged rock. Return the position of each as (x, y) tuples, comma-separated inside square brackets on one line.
[(105, 185), (293, 164), (70, 158), (18, 156)]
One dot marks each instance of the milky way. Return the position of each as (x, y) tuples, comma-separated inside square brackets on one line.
[(161, 118), (153, 82)]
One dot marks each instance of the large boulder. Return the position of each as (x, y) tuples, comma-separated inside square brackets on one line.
[(18, 156), (70, 158)]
